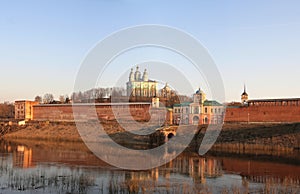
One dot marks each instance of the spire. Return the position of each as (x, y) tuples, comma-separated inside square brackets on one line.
[(245, 93)]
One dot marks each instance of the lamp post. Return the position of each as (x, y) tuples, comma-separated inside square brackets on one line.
[(248, 117)]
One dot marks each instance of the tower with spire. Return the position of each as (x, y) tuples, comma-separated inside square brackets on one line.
[(199, 96), (244, 96)]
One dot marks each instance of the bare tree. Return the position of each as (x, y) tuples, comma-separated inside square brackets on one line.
[(97, 94), (7, 110), (48, 98), (38, 99)]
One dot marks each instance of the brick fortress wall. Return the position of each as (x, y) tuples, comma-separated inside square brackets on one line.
[(106, 111), (260, 112), (266, 111)]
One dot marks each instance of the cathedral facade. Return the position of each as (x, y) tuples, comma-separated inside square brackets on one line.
[(140, 86)]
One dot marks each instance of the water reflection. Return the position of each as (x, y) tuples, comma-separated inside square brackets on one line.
[(22, 157), (62, 167)]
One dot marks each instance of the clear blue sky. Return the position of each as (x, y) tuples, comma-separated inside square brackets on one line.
[(42, 43)]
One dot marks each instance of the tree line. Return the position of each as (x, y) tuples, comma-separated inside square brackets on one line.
[(7, 110), (92, 95), (104, 95)]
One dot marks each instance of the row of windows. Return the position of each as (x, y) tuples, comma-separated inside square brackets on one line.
[(196, 110), (20, 106), (216, 110), (178, 110)]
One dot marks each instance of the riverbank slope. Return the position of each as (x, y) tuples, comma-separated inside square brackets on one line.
[(283, 135)]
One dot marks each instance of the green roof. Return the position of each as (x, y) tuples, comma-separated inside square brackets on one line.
[(182, 104), (211, 103)]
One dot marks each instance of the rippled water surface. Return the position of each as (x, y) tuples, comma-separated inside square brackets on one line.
[(67, 167)]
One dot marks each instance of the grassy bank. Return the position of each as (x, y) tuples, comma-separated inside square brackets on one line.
[(67, 132), (233, 137), (44, 131), (254, 138)]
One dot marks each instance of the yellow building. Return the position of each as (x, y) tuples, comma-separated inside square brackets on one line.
[(23, 109), (213, 112), (141, 86)]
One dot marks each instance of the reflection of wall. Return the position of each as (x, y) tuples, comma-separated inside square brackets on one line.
[(22, 157), (262, 172)]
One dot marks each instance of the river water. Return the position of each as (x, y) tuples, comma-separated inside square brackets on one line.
[(68, 167)]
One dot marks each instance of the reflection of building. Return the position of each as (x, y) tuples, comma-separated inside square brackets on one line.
[(198, 168), (141, 86), (22, 157), (200, 111), (23, 109)]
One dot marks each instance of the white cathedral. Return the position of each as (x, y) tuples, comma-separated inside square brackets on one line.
[(138, 86)]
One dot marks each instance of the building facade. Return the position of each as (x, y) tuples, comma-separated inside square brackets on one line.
[(213, 113), (167, 92), (181, 113), (200, 111), (24, 109), (141, 86)]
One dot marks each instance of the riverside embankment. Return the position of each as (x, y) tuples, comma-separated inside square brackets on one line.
[(233, 137)]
